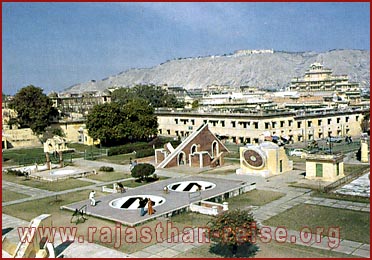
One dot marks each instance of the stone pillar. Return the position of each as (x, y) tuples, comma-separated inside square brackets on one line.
[(215, 210), (47, 160), (225, 206), (364, 150), (60, 159)]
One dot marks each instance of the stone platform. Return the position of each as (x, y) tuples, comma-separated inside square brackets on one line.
[(175, 201)]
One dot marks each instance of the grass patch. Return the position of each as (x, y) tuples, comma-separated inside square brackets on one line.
[(355, 168), (254, 198), (50, 205), (109, 176), (122, 159), (338, 196), (59, 185), (134, 183), (352, 224), (192, 219), (8, 195), (269, 250)]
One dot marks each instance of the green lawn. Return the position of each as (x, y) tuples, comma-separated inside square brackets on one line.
[(254, 198), (354, 225), (355, 168), (109, 176), (133, 183), (51, 186), (339, 196), (8, 195), (122, 159), (268, 250)]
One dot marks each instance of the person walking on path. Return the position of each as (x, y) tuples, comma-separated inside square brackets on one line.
[(92, 194), (149, 207), (142, 204)]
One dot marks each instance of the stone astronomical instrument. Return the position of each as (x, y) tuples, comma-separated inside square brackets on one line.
[(254, 158)]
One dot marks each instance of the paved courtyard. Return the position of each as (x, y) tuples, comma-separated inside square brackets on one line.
[(293, 197), (174, 200)]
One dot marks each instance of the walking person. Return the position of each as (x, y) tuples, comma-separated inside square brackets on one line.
[(149, 207), (142, 204), (92, 194)]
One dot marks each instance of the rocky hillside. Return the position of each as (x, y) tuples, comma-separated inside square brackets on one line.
[(260, 70)]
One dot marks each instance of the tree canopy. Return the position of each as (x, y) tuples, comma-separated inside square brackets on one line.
[(114, 124), (34, 109), (233, 229), (154, 95), (142, 170)]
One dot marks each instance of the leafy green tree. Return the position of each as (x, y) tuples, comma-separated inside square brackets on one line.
[(113, 123), (142, 171), (195, 104), (365, 124), (234, 230), (34, 109), (154, 95)]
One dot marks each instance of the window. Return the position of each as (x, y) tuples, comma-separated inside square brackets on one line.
[(233, 123), (309, 123), (319, 122), (267, 125), (299, 124), (329, 120), (176, 120), (255, 125), (338, 120), (281, 123), (319, 170), (356, 118), (346, 119), (223, 123), (273, 124), (290, 122), (337, 169), (160, 131), (168, 132), (193, 121)]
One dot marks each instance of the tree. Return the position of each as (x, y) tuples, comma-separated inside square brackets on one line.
[(113, 123), (233, 230), (154, 95), (34, 109), (365, 125), (142, 171)]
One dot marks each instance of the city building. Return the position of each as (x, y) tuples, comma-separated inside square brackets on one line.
[(249, 127), (320, 81)]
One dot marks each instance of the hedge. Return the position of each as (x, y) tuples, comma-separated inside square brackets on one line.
[(141, 148), (106, 169), (145, 153)]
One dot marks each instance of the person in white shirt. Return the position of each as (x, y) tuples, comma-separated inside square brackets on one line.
[(91, 198)]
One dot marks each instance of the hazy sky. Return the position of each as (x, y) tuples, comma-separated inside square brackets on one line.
[(56, 45)]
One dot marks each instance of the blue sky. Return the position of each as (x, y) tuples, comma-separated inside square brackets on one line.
[(56, 45)]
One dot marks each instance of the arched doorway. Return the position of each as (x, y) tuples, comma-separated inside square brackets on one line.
[(214, 149), (193, 149), (181, 158)]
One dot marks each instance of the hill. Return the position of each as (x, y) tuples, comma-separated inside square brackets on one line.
[(259, 69)]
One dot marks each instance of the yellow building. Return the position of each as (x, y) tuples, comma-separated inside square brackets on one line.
[(250, 127), (324, 167), (265, 159)]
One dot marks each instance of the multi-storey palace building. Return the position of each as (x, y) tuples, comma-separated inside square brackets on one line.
[(319, 79), (251, 127)]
